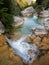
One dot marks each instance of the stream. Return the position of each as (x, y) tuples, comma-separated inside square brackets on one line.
[(29, 22), (28, 52)]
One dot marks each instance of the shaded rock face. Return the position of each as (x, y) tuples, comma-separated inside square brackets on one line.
[(28, 11), (18, 22), (44, 13), (2, 30)]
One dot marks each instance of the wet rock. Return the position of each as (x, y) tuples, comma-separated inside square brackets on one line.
[(28, 11), (2, 30)]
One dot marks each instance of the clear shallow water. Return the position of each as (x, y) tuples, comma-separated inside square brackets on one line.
[(28, 24)]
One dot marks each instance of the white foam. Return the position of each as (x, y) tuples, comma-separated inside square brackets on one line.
[(22, 49)]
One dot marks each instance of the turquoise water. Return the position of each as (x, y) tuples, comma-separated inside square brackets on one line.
[(28, 24)]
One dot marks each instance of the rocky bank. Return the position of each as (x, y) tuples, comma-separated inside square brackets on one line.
[(7, 56)]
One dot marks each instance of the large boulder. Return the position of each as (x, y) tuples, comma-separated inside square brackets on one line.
[(39, 30), (2, 29), (18, 22), (28, 11), (44, 13)]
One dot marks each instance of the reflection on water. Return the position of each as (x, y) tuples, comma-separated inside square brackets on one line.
[(28, 24)]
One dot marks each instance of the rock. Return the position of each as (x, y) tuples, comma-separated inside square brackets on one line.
[(45, 22), (28, 11), (18, 22), (32, 37), (41, 35), (39, 30), (44, 13), (2, 30), (35, 40), (42, 41)]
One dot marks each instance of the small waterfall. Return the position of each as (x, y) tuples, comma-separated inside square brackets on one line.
[(23, 49)]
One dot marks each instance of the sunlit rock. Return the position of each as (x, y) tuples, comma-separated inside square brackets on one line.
[(28, 11), (18, 22), (2, 30)]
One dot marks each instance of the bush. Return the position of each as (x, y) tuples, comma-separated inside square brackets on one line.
[(5, 15), (7, 20)]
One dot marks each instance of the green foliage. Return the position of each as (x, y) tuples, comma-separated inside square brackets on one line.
[(39, 8), (5, 16), (16, 10)]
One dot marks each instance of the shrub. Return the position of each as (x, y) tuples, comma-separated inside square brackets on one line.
[(5, 15)]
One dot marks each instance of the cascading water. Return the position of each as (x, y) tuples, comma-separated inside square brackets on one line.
[(26, 51)]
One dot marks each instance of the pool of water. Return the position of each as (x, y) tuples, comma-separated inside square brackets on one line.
[(28, 24)]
